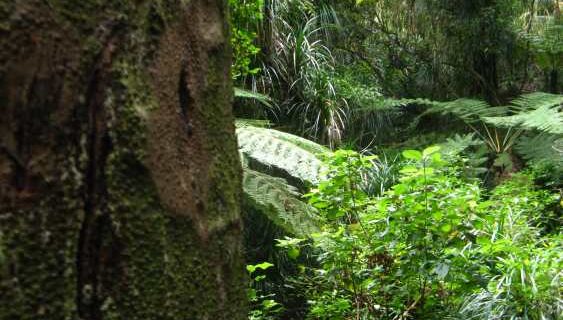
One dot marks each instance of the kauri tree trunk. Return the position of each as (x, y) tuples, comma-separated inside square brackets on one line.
[(119, 171)]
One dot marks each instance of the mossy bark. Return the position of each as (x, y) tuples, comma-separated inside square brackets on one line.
[(119, 173)]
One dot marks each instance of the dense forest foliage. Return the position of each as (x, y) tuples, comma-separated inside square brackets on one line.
[(281, 159), (402, 159)]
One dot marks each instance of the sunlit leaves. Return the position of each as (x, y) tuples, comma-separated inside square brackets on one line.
[(260, 266), (412, 155)]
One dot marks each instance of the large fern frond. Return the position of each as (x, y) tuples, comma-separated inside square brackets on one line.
[(280, 202), (468, 110), (296, 156), (536, 111), (541, 148), (536, 100)]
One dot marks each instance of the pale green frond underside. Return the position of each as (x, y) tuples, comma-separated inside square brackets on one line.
[(241, 123), (303, 143), (294, 155), (280, 202)]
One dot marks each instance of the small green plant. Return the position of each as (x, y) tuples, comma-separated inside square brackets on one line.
[(245, 16), (264, 307)]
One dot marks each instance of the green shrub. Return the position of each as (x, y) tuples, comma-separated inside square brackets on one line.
[(432, 247)]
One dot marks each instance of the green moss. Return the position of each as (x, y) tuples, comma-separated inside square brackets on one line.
[(37, 276)]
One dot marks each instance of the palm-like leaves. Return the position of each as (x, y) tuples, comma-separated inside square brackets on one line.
[(297, 72)]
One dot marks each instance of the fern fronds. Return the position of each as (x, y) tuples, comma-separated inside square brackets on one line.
[(280, 202), (546, 118), (468, 110), (535, 111), (456, 144), (384, 104), (536, 100), (541, 148), (294, 155)]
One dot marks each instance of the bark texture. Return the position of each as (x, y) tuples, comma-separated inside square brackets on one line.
[(119, 173)]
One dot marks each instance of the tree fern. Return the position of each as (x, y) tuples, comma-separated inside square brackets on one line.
[(280, 202), (531, 111), (296, 156)]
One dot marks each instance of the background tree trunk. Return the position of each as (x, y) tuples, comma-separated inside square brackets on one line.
[(119, 171)]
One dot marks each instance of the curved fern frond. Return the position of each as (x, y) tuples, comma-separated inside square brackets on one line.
[(294, 155), (262, 98), (280, 202)]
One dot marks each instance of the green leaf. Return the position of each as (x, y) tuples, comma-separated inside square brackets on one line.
[(293, 253), (251, 294), (245, 94), (430, 150), (252, 268), (264, 265), (260, 278), (437, 215), (400, 189), (412, 154), (442, 270), (409, 170), (446, 228)]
